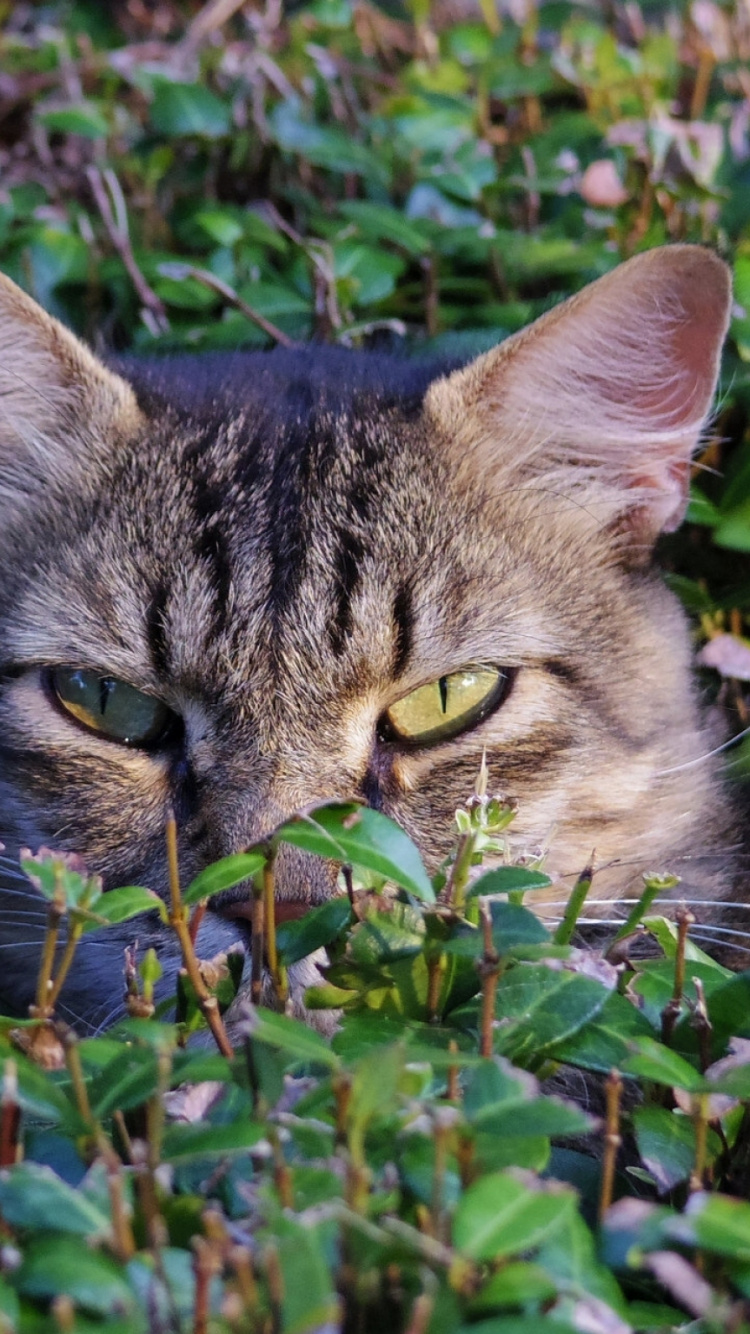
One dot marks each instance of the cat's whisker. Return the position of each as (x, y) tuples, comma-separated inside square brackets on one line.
[(707, 755)]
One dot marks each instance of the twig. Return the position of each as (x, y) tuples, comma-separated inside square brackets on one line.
[(110, 202), (612, 1140), (702, 1025), (222, 289), (671, 1011), (701, 1107), (278, 975), (489, 969), (256, 945), (214, 14), (178, 920), (10, 1115)]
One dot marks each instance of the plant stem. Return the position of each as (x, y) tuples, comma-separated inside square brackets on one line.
[(455, 890), (700, 1121), (671, 1011), (256, 944), (178, 920), (269, 904), (564, 933), (10, 1115), (54, 916), (75, 931), (489, 971), (640, 909), (612, 1140)]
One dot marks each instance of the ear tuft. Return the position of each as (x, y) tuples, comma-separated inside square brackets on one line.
[(57, 401), (615, 384)]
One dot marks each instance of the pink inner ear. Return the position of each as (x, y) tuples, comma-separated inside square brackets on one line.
[(620, 379)]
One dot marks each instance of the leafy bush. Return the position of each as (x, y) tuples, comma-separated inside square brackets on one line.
[(403, 1175)]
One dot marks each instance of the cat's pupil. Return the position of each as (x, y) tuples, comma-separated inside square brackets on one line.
[(443, 688)]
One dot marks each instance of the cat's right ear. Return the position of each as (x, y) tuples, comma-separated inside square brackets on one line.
[(60, 407), (606, 396)]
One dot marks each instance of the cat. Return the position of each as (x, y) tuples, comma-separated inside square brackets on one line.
[(240, 584)]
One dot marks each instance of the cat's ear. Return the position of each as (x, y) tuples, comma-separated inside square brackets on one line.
[(613, 388), (59, 406)]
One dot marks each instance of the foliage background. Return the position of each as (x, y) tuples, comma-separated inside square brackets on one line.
[(428, 176)]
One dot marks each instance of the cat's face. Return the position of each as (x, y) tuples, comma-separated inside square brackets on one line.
[(244, 585)]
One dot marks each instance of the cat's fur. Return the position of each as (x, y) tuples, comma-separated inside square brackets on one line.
[(280, 545)]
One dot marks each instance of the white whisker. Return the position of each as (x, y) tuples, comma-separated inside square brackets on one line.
[(709, 754)]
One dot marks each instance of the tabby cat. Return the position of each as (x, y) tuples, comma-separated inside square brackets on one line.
[(239, 584)]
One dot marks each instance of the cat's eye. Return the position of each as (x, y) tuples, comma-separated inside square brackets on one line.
[(111, 707), (446, 707)]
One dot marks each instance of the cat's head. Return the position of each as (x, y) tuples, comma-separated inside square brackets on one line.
[(237, 585)]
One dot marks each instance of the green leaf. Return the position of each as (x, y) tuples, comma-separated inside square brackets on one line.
[(126, 1082), (570, 1256), (652, 1060), (86, 119), (61, 1265), (375, 1086), (189, 108), (508, 880), (296, 939), (381, 222), (542, 1007), (119, 905), (224, 874), (362, 838), (42, 1098), (221, 225), (33, 1196), (605, 1042), (715, 1223), (500, 1216), (666, 1144), (310, 1303), (193, 1143), (516, 1284), (290, 1036), (324, 146), (381, 937)]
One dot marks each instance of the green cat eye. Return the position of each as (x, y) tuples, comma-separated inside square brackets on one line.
[(111, 707), (446, 707)]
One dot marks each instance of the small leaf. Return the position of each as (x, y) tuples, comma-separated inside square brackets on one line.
[(189, 1143), (296, 939), (500, 1216), (310, 1304), (666, 1144), (86, 119), (290, 1036), (652, 1060), (363, 838), (119, 905), (542, 1007), (509, 880), (33, 1196), (189, 108), (715, 1223), (54, 1266), (224, 874)]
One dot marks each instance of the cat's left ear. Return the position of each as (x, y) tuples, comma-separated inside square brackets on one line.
[(609, 391)]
